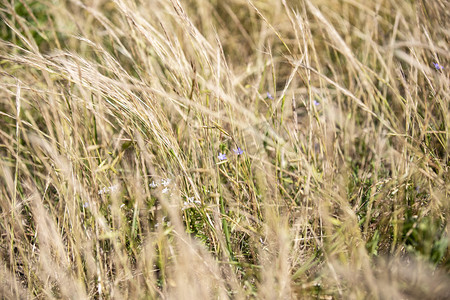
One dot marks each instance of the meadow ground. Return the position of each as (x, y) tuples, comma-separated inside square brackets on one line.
[(207, 149)]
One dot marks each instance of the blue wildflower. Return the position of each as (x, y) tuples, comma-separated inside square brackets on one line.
[(315, 102), (238, 151), (222, 156), (269, 96), (438, 67)]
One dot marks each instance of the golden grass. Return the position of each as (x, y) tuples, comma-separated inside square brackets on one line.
[(113, 114)]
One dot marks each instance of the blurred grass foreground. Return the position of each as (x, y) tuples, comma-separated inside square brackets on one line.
[(207, 149)]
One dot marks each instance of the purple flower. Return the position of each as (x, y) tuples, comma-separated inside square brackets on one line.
[(315, 102), (269, 96), (438, 67), (238, 151), (222, 156)]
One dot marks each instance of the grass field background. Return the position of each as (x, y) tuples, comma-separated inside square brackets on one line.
[(224, 149)]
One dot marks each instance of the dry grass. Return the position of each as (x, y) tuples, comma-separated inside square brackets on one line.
[(342, 190)]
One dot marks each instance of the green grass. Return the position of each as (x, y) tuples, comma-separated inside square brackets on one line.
[(342, 191)]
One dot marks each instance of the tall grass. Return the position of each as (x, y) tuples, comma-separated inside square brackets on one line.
[(113, 115)]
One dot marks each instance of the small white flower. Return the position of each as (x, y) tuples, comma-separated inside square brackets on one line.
[(166, 182), (165, 190), (153, 184), (108, 189), (190, 202)]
